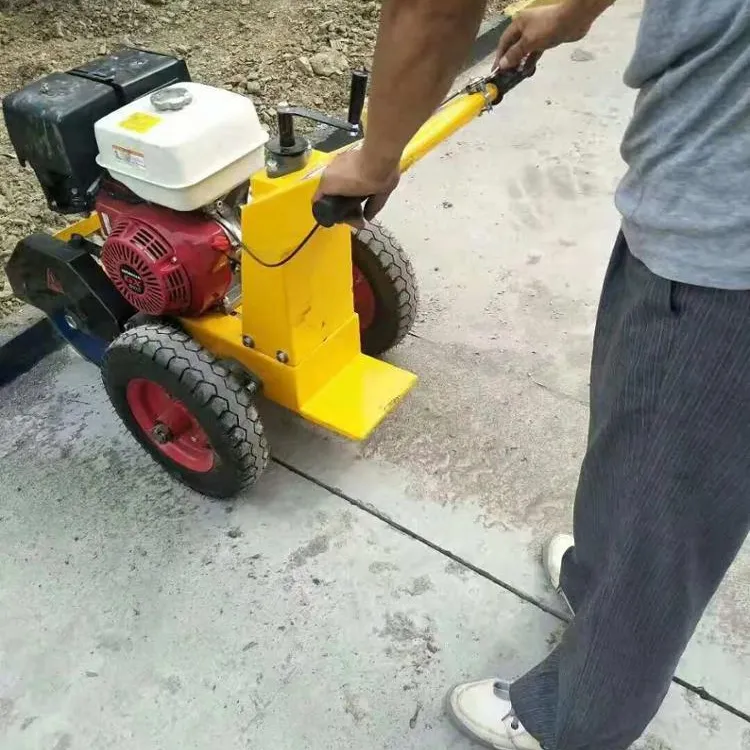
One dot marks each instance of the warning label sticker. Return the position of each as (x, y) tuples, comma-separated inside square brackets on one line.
[(129, 156), (140, 122)]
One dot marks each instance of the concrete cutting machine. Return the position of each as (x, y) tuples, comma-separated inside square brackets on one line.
[(201, 274)]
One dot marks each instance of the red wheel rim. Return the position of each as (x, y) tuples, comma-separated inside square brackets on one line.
[(364, 299), (169, 425)]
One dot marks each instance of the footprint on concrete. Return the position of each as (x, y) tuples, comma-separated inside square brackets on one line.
[(64, 741), (534, 193), (582, 55), (419, 586)]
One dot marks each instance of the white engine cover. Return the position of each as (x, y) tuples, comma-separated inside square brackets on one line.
[(185, 153)]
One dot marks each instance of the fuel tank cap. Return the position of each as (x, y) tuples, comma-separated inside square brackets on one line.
[(172, 99)]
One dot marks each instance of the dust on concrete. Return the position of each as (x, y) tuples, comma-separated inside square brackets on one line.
[(316, 546), (382, 566), (355, 705), (418, 586), (731, 609), (64, 741), (409, 639), (652, 742), (502, 444), (401, 628), (456, 569), (702, 712), (7, 711)]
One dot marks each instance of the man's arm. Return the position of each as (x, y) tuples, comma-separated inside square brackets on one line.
[(421, 47)]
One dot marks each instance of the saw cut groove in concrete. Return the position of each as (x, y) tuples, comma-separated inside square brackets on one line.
[(375, 513)]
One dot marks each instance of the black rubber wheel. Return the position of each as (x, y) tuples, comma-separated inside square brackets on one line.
[(387, 302), (189, 412)]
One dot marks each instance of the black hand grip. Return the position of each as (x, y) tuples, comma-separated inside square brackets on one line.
[(336, 209)]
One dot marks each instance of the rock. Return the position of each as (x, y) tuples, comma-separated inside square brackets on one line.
[(103, 49), (303, 63), (235, 532), (253, 88), (156, 2), (328, 63), (581, 55)]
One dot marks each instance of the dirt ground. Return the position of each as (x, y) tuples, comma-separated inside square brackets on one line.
[(260, 48)]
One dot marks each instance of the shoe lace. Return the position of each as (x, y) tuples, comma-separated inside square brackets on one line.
[(515, 724)]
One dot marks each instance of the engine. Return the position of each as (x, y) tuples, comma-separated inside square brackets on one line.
[(163, 262), (131, 137)]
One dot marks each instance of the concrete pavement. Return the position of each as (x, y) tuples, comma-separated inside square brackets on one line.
[(134, 614)]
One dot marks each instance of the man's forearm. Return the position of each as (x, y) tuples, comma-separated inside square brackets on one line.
[(420, 49)]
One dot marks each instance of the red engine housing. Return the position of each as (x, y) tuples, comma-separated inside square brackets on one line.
[(163, 262)]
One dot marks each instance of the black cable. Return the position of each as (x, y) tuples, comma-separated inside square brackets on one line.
[(286, 259)]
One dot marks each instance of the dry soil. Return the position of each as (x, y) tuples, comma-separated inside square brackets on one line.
[(291, 50)]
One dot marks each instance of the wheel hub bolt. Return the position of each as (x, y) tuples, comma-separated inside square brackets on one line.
[(161, 433)]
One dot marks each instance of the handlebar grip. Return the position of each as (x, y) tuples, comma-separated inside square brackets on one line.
[(336, 209)]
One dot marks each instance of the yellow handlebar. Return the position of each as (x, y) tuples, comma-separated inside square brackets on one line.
[(447, 120)]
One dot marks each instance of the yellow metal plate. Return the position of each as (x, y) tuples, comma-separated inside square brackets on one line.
[(359, 397), (84, 227)]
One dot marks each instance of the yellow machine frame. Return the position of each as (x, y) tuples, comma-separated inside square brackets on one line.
[(295, 327), (299, 317)]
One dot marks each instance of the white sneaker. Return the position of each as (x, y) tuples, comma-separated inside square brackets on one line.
[(552, 556), (482, 711)]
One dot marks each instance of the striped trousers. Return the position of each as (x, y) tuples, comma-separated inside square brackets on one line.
[(662, 506)]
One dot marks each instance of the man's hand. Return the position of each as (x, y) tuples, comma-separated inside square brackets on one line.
[(356, 174), (538, 29)]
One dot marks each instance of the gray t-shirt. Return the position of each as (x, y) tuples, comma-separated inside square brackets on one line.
[(685, 199)]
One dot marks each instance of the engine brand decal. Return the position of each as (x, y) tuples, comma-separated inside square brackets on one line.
[(132, 279), (130, 157), (140, 122)]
